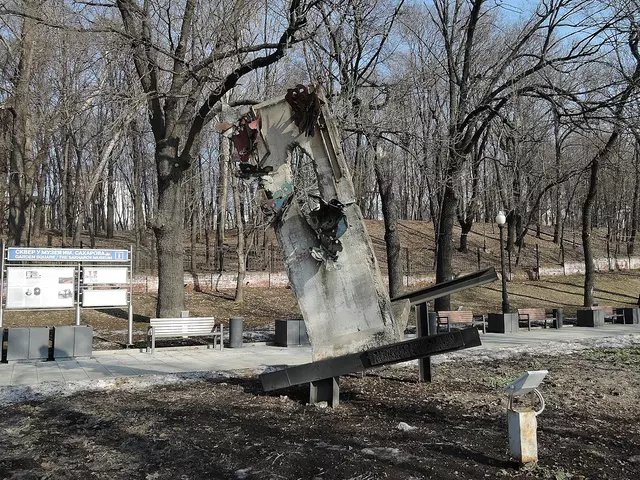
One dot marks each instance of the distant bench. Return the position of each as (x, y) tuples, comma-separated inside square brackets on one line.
[(609, 314), (534, 315), (183, 327), (460, 317)]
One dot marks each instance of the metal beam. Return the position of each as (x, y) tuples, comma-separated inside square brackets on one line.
[(447, 288), (375, 357)]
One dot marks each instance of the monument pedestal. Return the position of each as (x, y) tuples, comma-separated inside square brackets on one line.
[(502, 323), (590, 318), (325, 390)]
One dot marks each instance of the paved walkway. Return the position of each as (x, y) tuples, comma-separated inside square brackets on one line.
[(124, 363)]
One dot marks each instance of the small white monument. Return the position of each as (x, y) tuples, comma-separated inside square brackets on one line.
[(522, 423)]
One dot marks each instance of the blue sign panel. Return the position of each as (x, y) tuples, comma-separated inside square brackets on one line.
[(66, 255)]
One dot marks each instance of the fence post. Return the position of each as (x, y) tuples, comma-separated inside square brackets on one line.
[(478, 252), (537, 262)]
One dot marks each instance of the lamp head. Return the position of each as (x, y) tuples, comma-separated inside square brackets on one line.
[(501, 219)]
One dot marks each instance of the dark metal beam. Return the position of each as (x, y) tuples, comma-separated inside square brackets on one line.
[(375, 357), (447, 288)]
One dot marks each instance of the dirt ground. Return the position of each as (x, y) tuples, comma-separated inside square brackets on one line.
[(388, 426)]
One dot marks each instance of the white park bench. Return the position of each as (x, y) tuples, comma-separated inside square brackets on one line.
[(183, 328)]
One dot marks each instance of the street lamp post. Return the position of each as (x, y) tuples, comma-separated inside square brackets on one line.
[(501, 220)]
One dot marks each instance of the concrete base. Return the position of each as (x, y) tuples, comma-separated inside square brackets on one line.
[(326, 390), (291, 332), (523, 441), (590, 318), (27, 343), (502, 323), (72, 341), (630, 316)]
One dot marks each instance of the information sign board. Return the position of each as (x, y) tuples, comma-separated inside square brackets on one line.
[(104, 298), (97, 275), (40, 287), (66, 255)]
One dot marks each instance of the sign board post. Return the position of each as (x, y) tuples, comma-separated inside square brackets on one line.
[(2, 285), (130, 324), (78, 296)]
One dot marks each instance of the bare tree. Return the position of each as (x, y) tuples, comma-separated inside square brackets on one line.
[(183, 84)]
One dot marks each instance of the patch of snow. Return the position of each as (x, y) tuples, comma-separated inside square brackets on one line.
[(384, 453), (552, 348), (405, 427), (243, 473), (26, 393)]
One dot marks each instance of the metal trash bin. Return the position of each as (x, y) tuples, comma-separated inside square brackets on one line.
[(235, 332)]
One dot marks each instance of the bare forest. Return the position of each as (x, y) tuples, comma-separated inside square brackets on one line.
[(450, 110)]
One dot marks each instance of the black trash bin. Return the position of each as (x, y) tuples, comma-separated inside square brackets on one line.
[(235, 332)]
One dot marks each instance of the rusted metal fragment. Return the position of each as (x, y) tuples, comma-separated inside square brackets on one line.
[(305, 108)]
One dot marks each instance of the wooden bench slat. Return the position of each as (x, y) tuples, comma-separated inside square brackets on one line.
[(458, 316), (183, 327), (608, 312)]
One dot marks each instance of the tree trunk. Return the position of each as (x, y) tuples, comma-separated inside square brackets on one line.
[(78, 206), (240, 245), (6, 132), (444, 268), (465, 228), (558, 190), (138, 212), (168, 231), (193, 227), (223, 182), (384, 177), (38, 214), (587, 210), (19, 197), (359, 169), (634, 206), (111, 194)]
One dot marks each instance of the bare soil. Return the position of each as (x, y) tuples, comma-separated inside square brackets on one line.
[(229, 429)]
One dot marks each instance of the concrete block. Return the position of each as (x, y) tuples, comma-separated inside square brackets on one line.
[(38, 343), (523, 442), (83, 341), (27, 343), (502, 323), (590, 318), (72, 341), (17, 344), (630, 316), (325, 390), (63, 338), (291, 332)]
